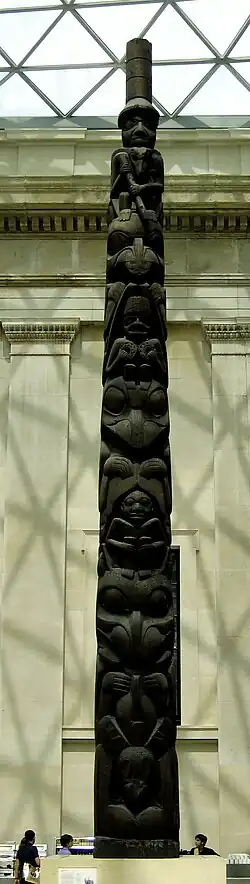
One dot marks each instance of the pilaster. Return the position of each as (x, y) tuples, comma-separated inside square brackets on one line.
[(230, 349), (33, 598)]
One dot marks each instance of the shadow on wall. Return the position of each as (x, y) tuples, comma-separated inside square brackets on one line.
[(191, 421)]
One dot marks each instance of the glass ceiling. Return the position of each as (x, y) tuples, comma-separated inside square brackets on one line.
[(65, 59)]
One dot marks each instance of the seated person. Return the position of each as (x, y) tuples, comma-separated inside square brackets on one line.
[(200, 848), (66, 844)]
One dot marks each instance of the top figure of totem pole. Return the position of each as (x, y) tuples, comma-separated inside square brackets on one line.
[(136, 771)]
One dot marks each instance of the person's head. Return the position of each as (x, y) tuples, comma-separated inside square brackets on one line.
[(200, 841), (66, 841), (30, 836)]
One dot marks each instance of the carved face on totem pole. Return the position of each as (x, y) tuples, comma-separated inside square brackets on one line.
[(135, 537), (138, 319), (135, 623), (139, 129)]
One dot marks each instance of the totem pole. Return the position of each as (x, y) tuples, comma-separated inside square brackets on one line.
[(136, 771)]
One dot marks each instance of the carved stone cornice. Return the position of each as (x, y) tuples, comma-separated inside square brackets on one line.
[(182, 218), (76, 205), (41, 337), (41, 331), (87, 281), (229, 331), (96, 187), (109, 137), (228, 338)]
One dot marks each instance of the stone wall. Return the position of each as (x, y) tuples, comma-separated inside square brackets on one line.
[(53, 193)]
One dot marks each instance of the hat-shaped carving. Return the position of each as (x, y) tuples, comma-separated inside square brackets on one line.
[(139, 81)]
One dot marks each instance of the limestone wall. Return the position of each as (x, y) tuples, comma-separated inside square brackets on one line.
[(53, 193)]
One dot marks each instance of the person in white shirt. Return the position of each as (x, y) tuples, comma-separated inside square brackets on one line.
[(66, 845)]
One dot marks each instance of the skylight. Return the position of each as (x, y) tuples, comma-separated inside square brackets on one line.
[(65, 58)]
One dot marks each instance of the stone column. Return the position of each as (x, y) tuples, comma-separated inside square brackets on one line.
[(230, 348), (32, 628)]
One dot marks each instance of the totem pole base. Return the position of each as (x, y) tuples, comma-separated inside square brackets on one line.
[(186, 870), (131, 848)]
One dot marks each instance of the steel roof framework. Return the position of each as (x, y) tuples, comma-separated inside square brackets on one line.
[(23, 68)]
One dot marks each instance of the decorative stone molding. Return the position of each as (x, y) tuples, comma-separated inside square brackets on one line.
[(82, 280), (192, 533), (89, 222), (221, 331), (52, 280), (40, 331), (228, 338), (41, 337), (50, 135), (202, 189), (53, 223), (213, 223)]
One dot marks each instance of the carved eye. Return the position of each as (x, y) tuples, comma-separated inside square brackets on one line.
[(114, 400), (158, 402), (113, 601), (158, 604)]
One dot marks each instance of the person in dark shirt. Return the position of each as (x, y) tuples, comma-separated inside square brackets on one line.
[(27, 854), (200, 848)]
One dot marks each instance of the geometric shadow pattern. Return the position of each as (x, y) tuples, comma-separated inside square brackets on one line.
[(83, 449)]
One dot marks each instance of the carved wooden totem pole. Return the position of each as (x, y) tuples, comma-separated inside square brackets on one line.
[(136, 772)]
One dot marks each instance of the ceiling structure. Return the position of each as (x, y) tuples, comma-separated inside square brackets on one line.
[(64, 60)]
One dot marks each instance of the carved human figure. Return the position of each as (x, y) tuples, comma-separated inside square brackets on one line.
[(121, 478), (135, 537), (137, 171), (135, 718), (138, 310), (137, 167)]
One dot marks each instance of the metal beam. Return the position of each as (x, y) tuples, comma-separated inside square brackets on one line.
[(112, 62)]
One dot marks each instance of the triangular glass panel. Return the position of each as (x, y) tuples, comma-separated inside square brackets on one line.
[(2, 76), (3, 63), (108, 100), (172, 83), (68, 43), (65, 88), (172, 38), (17, 99), (19, 32), (118, 24), (243, 45), (26, 4), (215, 21), (222, 94), (243, 69)]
